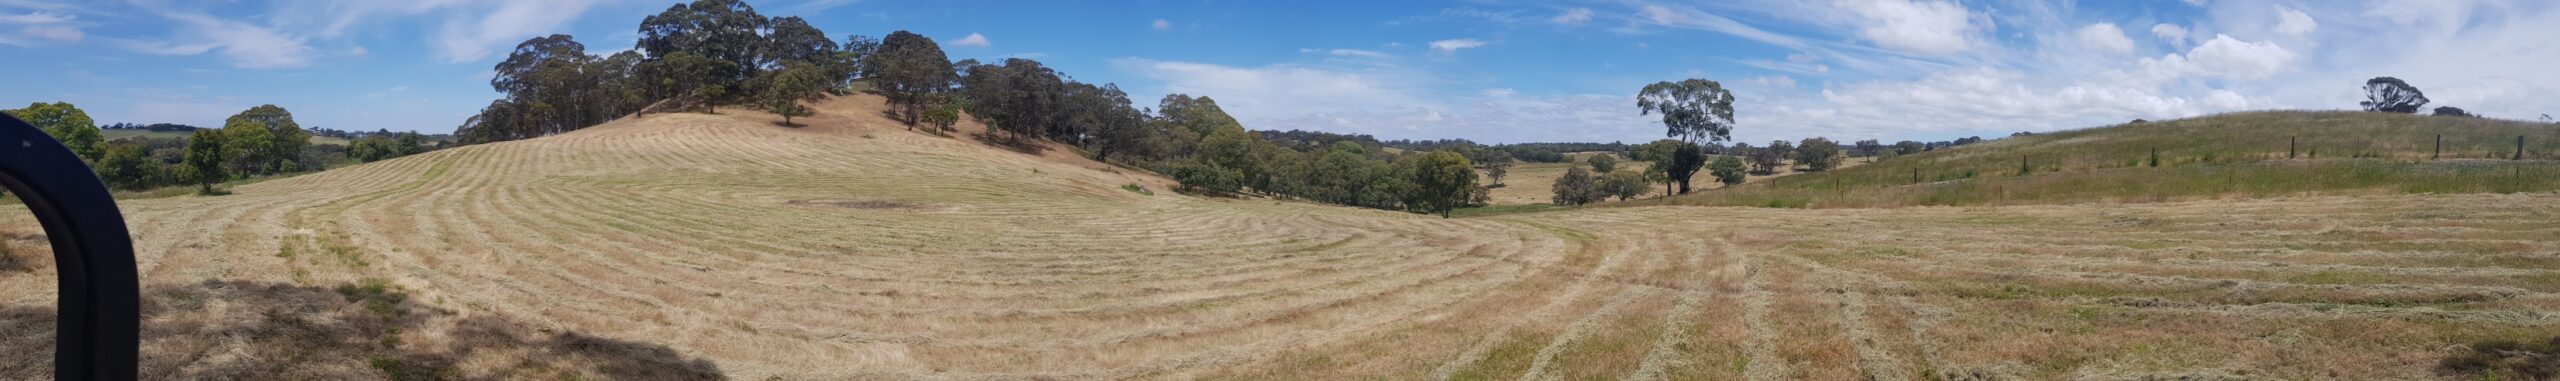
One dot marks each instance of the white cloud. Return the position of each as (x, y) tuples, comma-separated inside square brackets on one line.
[(464, 30), (1353, 53), (1660, 14), (2232, 58), (974, 39), (1161, 24), (243, 45), (63, 34), (1919, 27), (2226, 100), (1268, 92), (2105, 36), (2175, 35), (1452, 45), (1500, 93), (38, 27), (814, 6), (1687, 18), (472, 32), (2292, 22), (1573, 16), (1772, 81), (37, 17)]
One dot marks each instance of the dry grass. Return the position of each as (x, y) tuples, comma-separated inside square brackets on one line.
[(689, 246)]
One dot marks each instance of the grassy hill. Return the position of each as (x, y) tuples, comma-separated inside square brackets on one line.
[(2240, 155), (709, 246)]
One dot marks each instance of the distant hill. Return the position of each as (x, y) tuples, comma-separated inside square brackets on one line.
[(2239, 155)]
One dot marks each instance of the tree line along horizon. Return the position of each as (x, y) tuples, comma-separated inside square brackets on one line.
[(702, 55), (698, 56), (260, 141)]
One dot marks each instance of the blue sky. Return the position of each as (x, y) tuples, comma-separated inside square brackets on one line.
[(1489, 70)]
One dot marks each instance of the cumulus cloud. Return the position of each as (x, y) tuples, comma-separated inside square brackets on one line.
[(1161, 24), (2292, 22), (974, 39), (1572, 16), (2232, 58), (2105, 36), (1452, 45), (1919, 27)]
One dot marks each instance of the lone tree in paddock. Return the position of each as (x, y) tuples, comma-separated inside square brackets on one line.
[(204, 160), (1443, 181), (1694, 111), (2387, 94)]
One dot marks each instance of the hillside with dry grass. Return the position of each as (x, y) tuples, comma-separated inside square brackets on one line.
[(693, 246), (2230, 156)]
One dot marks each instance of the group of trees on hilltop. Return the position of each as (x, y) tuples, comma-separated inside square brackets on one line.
[(700, 55), (263, 140), (2388, 94), (692, 56)]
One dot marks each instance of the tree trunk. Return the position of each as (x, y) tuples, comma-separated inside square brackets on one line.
[(1684, 186)]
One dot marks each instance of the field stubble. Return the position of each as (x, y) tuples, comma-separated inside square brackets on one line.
[(719, 246)]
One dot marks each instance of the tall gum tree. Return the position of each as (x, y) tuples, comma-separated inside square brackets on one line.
[(1694, 111)]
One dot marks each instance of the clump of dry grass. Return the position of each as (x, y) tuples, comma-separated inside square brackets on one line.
[(2501, 359)]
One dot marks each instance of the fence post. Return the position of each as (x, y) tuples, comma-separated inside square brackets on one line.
[(2155, 157), (2023, 169), (2439, 148), (1915, 175), (2519, 147), (2292, 145)]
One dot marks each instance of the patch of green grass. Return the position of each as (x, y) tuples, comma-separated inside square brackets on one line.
[(1138, 189)]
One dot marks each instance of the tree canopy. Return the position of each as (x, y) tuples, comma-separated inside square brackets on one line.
[(1443, 181), (1694, 111), (2387, 94), (264, 140), (66, 124), (1818, 154), (909, 69), (1578, 186)]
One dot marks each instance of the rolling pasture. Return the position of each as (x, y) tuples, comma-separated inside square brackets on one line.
[(688, 246)]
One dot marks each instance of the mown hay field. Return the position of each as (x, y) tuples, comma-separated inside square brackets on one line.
[(687, 246)]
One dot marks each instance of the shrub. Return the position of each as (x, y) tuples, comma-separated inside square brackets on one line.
[(1577, 187), (1603, 163)]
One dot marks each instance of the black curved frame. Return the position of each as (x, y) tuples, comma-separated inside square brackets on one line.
[(98, 324)]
